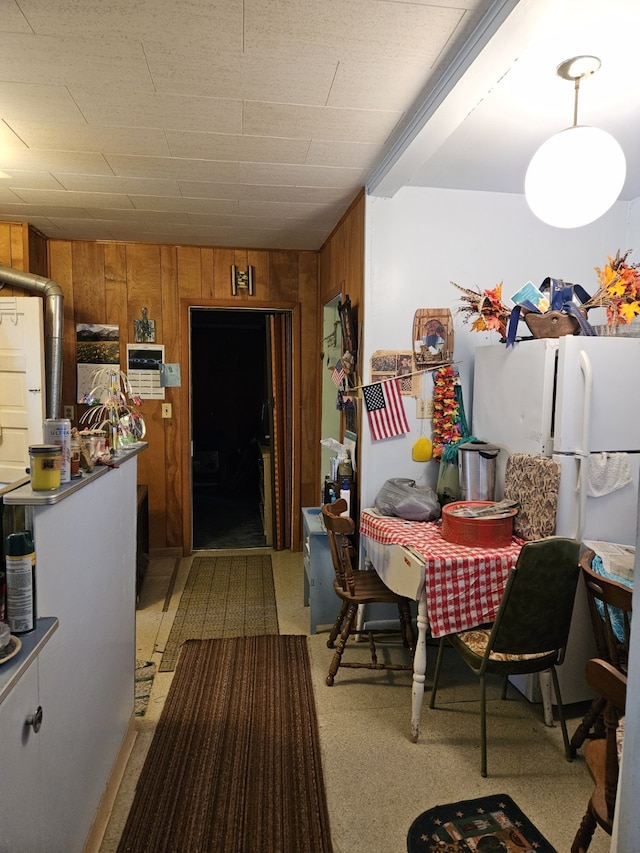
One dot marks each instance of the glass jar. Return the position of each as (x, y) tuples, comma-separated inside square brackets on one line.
[(46, 467)]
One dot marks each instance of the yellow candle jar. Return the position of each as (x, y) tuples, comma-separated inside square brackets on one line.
[(46, 467)]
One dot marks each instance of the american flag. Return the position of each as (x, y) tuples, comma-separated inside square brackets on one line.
[(385, 409), (338, 375)]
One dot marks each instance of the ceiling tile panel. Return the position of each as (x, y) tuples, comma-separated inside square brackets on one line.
[(112, 184), (360, 155), (32, 181), (159, 109), (186, 205), (37, 101), (63, 198), (147, 142), (35, 160), (300, 176), (174, 168), (300, 122), (218, 146), (319, 195)]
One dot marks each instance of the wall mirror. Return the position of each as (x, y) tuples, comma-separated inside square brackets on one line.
[(331, 352)]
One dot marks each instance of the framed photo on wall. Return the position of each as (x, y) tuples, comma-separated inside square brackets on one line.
[(432, 337)]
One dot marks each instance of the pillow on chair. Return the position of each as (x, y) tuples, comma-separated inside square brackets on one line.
[(533, 481)]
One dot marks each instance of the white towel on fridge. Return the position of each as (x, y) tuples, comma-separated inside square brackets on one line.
[(607, 472)]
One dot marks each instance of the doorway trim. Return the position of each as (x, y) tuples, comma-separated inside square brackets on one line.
[(184, 418)]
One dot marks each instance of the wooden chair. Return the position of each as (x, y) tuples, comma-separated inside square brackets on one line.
[(355, 587), (531, 627), (612, 629), (601, 754)]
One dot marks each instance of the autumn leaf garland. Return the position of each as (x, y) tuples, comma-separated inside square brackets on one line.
[(447, 425)]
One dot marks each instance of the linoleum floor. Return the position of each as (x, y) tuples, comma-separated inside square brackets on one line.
[(378, 781)]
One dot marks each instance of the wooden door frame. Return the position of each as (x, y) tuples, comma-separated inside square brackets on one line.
[(185, 404)]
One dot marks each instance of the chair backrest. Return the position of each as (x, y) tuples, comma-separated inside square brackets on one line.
[(611, 684), (536, 608), (610, 609), (339, 528)]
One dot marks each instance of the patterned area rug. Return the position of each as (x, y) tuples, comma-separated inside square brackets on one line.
[(234, 765), (224, 597), (489, 825)]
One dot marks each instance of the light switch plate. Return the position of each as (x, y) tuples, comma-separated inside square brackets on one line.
[(166, 410)]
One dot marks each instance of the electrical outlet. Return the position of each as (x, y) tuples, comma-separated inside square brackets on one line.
[(166, 410), (69, 412)]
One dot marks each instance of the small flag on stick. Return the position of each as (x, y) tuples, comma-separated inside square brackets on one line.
[(385, 409), (338, 375)]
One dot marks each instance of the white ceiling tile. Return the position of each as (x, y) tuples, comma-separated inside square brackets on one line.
[(6, 195), (19, 211), (186, 205), (132, 215), (304, 176), (159, 109), (379, 86), (32, 180), (42, 160), (28, 101), (113, 184), (8, 139), (13, 20), (239, 75), (362, 29), (148, 142), (218, 146), (301, 122), (261, 192), (64, 198), (214, 20), (83, 62), (173, 168), (324, 152)]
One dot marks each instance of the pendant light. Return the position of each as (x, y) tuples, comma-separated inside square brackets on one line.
[(577, 174)]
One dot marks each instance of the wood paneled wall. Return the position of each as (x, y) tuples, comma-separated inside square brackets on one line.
[(111, 283), (342, 271)]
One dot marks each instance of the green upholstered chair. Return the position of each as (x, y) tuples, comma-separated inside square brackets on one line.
[(531, 628)]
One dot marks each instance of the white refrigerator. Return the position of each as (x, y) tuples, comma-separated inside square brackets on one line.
[(576, 399)]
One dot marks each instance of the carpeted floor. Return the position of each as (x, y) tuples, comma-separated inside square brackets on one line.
[(223, 597), (493, 824), (234, 765)]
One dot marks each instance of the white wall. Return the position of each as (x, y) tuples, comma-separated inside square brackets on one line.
[(419, 241)]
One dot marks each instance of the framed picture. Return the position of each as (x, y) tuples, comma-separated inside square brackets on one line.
[(349, 341), (432, 338), (388, 364)]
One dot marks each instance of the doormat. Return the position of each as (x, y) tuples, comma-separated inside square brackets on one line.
[(492, 824), (235, 762), (145, 672), (224, 596)]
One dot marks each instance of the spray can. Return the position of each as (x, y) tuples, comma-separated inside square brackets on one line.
[(20, 564), (58, 431)]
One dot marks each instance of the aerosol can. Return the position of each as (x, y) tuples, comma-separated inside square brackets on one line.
[(20, 563)]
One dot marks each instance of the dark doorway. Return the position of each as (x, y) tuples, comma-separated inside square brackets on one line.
[(231, 428)]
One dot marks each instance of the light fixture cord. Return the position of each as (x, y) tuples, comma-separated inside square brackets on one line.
[(575, 103)]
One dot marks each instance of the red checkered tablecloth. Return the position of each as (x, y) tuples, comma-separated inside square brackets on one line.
[(463, 586)]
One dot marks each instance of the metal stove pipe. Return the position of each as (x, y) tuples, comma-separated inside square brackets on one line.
[(53, 329)]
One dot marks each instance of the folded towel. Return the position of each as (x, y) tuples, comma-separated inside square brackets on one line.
[(607, 472)]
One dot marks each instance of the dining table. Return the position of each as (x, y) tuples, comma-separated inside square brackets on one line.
[(456, 587)]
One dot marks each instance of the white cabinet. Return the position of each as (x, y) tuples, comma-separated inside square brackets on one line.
[(319, 574), (85, 575), (23, 829)]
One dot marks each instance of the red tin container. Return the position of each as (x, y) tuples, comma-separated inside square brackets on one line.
[(477, 532)]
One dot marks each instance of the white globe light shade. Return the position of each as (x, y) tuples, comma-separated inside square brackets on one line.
[(575, 177)]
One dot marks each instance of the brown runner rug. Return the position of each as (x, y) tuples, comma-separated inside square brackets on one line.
[(224, 597), (234, 765)]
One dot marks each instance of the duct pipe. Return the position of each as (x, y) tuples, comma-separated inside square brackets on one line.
[(53, 329)]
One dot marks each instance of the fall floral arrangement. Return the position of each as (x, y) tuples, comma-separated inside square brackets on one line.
[(491, 314), (619, 291)]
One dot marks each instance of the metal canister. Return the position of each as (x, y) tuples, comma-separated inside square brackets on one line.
[(477, 470), (20, 562), (58, 431)]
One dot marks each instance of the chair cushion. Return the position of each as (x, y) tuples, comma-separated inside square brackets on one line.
[(533, 481), (477, 639)]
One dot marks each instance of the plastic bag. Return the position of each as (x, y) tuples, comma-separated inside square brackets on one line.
[(401, 497)]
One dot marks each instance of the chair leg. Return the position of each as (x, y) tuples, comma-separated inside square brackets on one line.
[(436, 674), (483, 726), (352, 610), (505, 684), (406, 626), (337, 626), (563, 722), (591, 720), (584, 834)]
